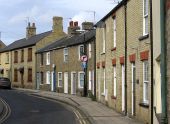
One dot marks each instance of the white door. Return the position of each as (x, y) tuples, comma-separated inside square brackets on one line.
[(133, 87), (73, 82), (123, 88), (65, 82), (52, 81)]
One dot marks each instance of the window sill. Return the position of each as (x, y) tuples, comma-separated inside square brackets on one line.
[(102, 53), (7, 63), (113, 49), (103, 94), (47, 64), (143, 37), (145, 105), (113, 97)]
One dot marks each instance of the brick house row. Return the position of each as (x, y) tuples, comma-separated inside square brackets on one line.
[(123, 74), (59, 67), (21, 53)]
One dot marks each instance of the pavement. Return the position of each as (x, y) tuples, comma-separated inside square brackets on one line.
[(95, 112)]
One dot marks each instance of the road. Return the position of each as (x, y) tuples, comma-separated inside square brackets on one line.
[(27, 109)]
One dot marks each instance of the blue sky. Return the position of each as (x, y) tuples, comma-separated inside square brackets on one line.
[(16, 13)]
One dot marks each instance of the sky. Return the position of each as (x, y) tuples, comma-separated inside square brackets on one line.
[(15, 14)]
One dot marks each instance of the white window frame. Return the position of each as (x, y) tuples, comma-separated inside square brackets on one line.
[(90, 80), (60, 79), (104, 82), (145, 82), (7, 57), (114, 32), (104, 41), (48, 58), (114, 83), (90, 50), (145, 17), (48, 76), (65, 52), (80, 50), (79, 86)]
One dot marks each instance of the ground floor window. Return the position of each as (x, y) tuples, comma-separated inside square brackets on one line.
[(60, 83), (145, 82), (15, 75), (81, 79), (48, 77)]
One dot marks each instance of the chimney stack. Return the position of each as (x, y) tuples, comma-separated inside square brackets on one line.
[(30, 30), (73, 27), (57, 24), (87, 25)]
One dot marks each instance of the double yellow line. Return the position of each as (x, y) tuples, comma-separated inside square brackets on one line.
[(6, 111)]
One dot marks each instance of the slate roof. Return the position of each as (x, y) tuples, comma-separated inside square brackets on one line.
[(21, 43), (99, 23), (69, 40)]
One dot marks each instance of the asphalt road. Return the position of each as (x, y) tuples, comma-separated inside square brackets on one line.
[(26, 109)]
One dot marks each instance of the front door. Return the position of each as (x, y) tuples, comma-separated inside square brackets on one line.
[(133, 88), (65, 82), (123, 88), (52, 81), (73, 83)]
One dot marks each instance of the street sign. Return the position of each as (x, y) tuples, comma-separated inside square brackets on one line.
[(84, 65), (83, 58)]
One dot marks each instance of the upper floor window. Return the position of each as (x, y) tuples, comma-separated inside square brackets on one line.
[(81, 51), (7, 57), (114, 32), (145, 17), (145, 82), (65, 54), (48, 58), (22, 55), (29, 54), (90, 50), (15, 56), (104, 41), (41, 59)]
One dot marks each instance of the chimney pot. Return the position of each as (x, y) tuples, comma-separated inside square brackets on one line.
[(75, 23), (71, 23)]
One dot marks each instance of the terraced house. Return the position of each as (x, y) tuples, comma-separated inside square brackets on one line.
[(4, 60), (59, 67), (22, 53), (123, 64)]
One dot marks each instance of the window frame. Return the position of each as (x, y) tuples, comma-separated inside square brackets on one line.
[(79, 50), (79, 86), (48, 58), (114, 32), (90, 50), (22, 55), (65, 54), (145, 17), (48, 77), (145, 82), (41, 59), (7, 58), (29, 54), (15, 56), (114, 82), (29, 78), (60, 79)]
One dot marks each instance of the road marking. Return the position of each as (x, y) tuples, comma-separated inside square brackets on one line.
[(7, 112)]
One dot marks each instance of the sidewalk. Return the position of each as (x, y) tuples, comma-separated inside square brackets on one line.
[(96, 112)]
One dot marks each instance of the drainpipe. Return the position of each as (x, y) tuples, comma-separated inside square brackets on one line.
[(125, 43), (94, 66), (151, 47), (163, 64)]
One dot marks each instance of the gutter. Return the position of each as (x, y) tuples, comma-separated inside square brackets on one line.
[(164, 119)]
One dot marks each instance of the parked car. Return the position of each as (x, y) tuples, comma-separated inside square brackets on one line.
[(5, 83)]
